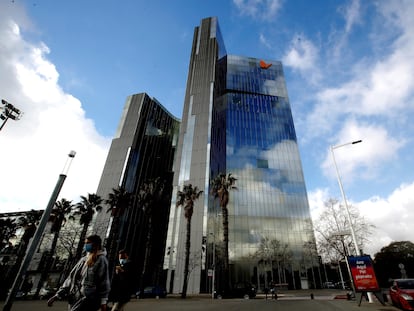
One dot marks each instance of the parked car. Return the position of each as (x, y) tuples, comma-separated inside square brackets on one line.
[(328, 285), (46, 293), (240, 290), (343, 285), (402, 293), (153, 291)]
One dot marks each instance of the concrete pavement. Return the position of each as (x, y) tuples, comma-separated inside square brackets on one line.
[(324, 300)]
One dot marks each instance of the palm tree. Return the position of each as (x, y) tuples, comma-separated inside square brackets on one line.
[(220, 187), (187, 198), (8, 229), (119, 201), (58, 220), (150, 193), (86, 208), (28, 222)]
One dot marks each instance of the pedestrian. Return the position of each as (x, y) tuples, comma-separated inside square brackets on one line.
[(87, 286), (27, 286), (121, 284)]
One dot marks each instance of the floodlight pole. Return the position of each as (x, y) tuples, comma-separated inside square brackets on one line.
[(38, 235), (9, 112)]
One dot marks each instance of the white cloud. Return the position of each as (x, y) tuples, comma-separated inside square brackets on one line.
[(352, 15), (34, 149), (377, 87), (316, 200), (369, 96), (339, 37), (351, 158), (302, 56), (392, 216), (264, 41), (258, 9)]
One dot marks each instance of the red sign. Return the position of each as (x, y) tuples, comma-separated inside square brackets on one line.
[(363, 274)]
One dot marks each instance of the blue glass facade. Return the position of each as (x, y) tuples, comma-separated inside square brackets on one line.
[(269, 217), (237, 119)]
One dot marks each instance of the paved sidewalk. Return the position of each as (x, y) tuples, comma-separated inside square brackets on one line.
[(324, 300)]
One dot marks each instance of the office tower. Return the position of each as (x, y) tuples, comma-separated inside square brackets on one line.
[(142, 150), (237, 119)]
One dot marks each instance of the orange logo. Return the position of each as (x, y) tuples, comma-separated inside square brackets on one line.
[(263, 65)]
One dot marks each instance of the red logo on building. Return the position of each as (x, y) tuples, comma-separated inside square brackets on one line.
[(263, 65)]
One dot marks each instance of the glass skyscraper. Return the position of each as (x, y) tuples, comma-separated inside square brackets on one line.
[(143, 149), (237, 119)]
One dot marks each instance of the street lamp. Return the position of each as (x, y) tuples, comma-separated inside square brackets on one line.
[(38, 234), (351, 227), (9, 112), (213, 265)]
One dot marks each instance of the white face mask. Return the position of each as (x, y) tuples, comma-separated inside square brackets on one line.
[(122, 261)]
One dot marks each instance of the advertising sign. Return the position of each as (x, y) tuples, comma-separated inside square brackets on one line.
[(363, 274)]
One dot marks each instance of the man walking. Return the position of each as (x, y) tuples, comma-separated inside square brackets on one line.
[(121, 286)]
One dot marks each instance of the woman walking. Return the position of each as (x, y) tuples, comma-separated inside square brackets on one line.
[(87, 286)]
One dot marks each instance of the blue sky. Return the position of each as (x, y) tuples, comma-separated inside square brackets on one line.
[(69, 65)]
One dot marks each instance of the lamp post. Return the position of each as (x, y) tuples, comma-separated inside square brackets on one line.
[(351, 227), (38, 234), (9, 112), (213, 265)]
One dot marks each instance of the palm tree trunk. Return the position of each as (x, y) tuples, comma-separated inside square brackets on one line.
[(46, 270), (279, 272), (147, 255), (187, 258), (112, 245), (81, 242), (13, 270), (28, 234)]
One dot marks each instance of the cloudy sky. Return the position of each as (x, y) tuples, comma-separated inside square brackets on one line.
[(349, 66)]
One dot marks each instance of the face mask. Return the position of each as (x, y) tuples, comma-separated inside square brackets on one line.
[(88, 247), (122, 261)]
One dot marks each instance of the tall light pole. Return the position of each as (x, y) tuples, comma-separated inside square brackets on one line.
[(38, 234), (9, 112), (213, 265), (351, 227)]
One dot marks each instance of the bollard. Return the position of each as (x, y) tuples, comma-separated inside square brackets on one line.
[(311, 295)]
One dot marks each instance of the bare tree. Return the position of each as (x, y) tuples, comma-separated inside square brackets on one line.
[(273, 255), (311, 260), (332, 230), (66, 247)]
